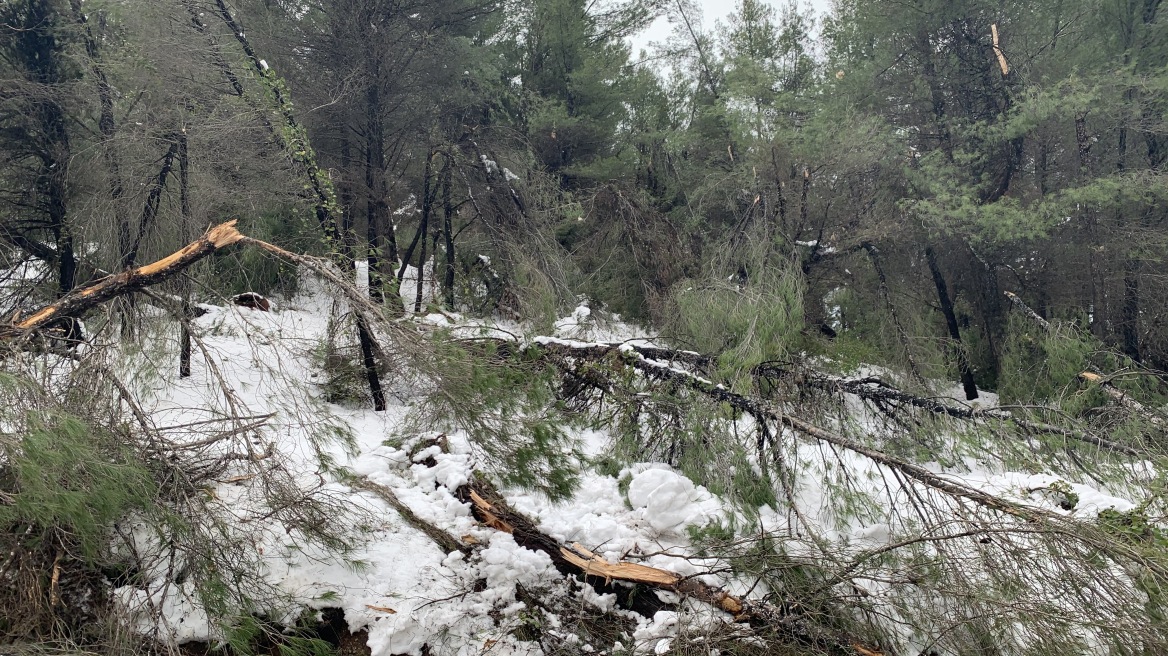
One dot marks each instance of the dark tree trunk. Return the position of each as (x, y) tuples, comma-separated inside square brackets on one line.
[(55, 163), (1129, 318), (369, 363), (348, 239), (184, 196), (448, 234), (58, 224), (150, 209), (427, 205), (429, 193), (382, 246), (105, 124), (951, 322)]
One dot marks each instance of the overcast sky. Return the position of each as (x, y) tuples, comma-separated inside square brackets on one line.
[(713, 10)]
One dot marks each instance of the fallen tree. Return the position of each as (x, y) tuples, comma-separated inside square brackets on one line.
[(788, 622)]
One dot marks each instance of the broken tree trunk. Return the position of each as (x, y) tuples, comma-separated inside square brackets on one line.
[(80, 300), (874, 389), (1122, 398), (1028, 311), (489, 507), (764, 413)]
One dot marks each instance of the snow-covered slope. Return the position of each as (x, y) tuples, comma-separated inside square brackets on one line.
[(398, 584)]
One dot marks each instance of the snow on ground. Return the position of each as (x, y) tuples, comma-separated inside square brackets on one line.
[(408, 592)]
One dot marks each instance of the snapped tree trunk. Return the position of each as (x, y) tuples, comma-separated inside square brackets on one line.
[(80, 300)]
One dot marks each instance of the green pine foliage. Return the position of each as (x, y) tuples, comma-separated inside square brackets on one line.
[(72, 477), (747, 317), (505, 400)]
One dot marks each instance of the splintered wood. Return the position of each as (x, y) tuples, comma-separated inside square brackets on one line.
[(83, 299), (593, 565), (998, 51)]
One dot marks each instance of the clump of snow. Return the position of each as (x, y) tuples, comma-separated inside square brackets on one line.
[(670, 501), (575, 326)]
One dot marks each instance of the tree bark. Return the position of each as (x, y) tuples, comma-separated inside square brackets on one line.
[(489, 507), (423, 229), (184, 196), (447, 232), (951, 322), (131, 246), (375, 204), (1129, 318), (369, 362), (106, 124), (427, 208), (80, 300)]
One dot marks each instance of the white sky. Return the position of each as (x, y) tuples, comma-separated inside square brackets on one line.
[(714, 10)]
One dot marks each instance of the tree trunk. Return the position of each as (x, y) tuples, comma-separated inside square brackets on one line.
[(369, 362), (951, 321), (149, 210), (374, 193), (105, 124), (427, 205), (447, 232), (184, 353), (348, 239), (428, 196), (1129, 318)]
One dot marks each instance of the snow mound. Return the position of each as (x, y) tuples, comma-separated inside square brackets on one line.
[(670, 501)]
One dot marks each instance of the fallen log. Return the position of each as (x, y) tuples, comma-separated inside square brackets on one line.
[(444, 540), (83, 299), (489, 508), (874, 389), (1028, 311), (763, 413)]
